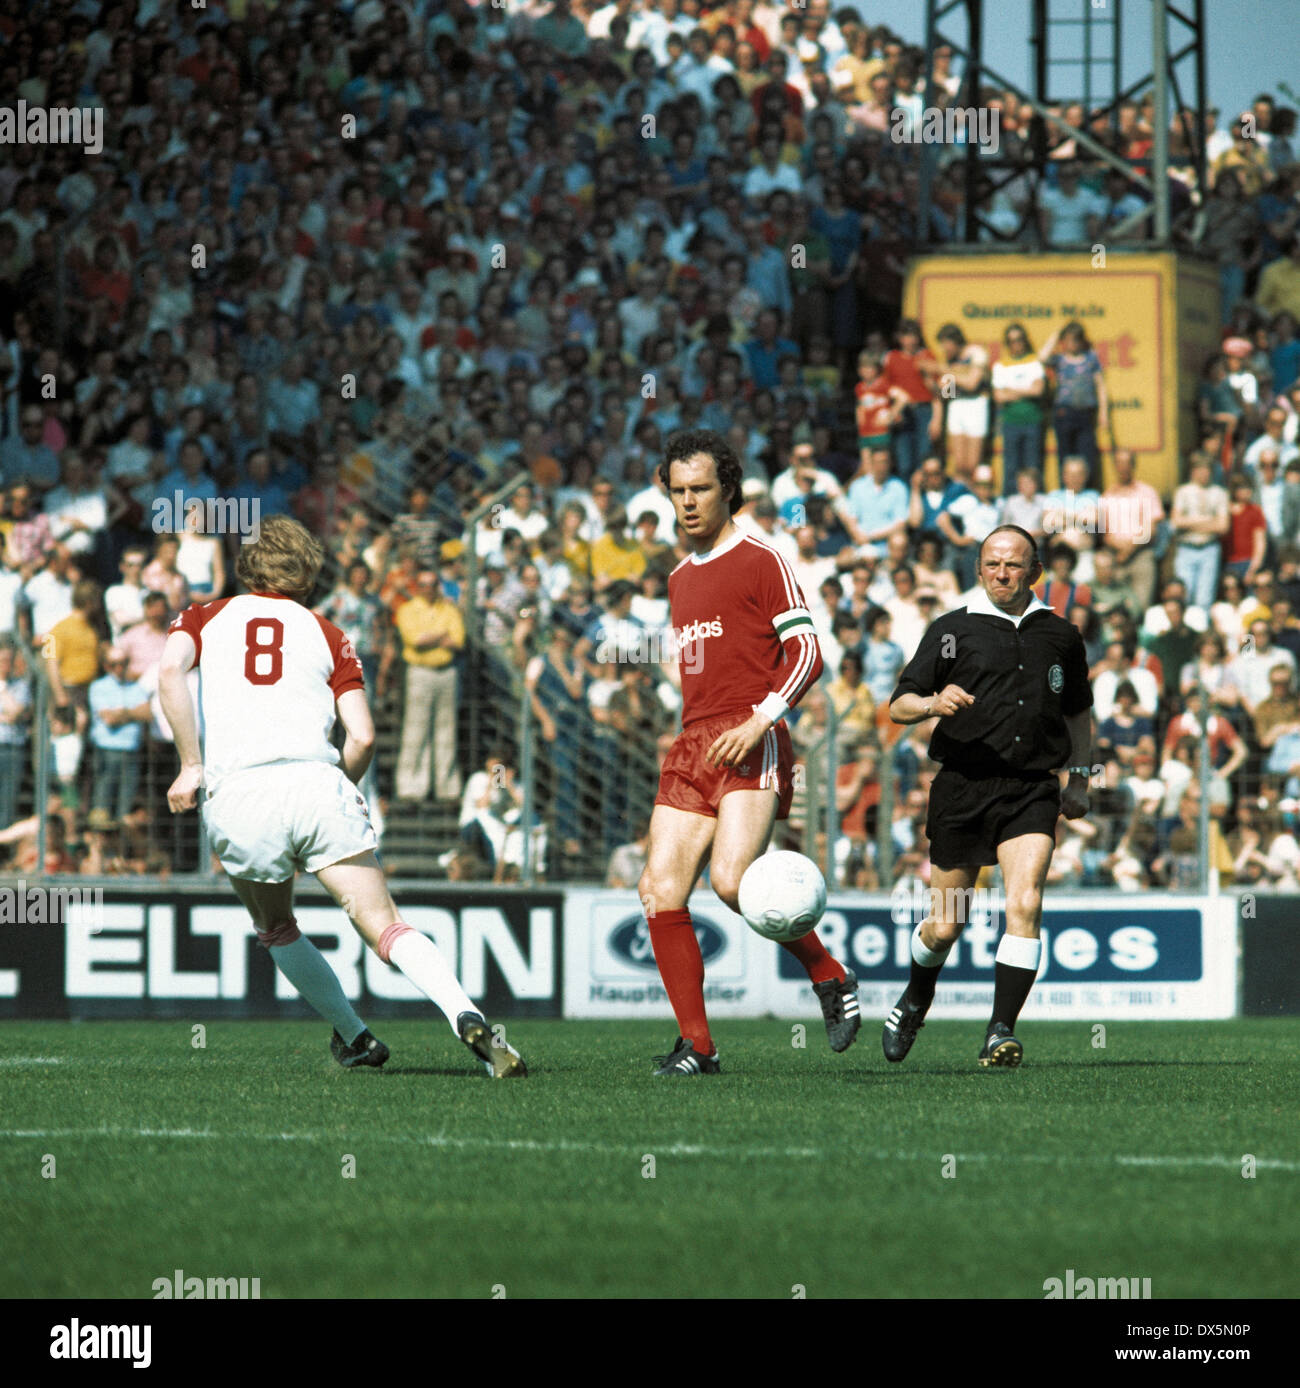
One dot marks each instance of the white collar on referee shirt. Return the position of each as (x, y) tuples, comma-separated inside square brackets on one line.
[(982, 605)]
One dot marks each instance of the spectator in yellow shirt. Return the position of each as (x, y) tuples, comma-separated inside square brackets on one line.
[(432, 632), (1279, 281), (615, 555), (851, 697), (71, 649), (576, 551), (1247, 157), (852, 73)]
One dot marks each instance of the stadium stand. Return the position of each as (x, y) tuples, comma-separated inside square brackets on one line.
[(439, 279)]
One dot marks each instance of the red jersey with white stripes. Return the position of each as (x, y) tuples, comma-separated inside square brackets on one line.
[(742, 629), (269, 673), (873, 408)]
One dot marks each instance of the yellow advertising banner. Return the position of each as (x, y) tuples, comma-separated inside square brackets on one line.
[(1152, 319)]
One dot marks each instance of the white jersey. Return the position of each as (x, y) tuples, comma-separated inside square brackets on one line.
[(270, 671)]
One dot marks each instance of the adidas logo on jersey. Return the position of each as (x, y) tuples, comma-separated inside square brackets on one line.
[(697, 631)]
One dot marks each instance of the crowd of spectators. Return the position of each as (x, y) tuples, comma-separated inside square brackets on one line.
[(366, 263)]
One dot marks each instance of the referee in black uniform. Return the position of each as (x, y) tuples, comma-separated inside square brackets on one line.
[(1006, 681)]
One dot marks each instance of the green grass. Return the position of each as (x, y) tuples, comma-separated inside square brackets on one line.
[(795, 1167)]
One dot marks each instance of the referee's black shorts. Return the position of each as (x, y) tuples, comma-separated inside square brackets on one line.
[(970, 815)]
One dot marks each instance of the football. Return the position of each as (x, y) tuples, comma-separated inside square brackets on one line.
[(782, 895)]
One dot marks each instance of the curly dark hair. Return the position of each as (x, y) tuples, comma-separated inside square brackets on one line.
[(686, 443)]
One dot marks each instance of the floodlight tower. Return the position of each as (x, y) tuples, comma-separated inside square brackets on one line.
[(1077, 52)]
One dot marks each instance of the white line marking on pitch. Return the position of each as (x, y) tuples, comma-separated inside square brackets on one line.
[(514, 1144), (31, 1060), (1048, 1159), (675, 1149)]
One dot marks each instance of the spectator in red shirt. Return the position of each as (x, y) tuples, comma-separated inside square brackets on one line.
[(1135, 136), (1227, 750), (857, 794), (879, 405), (776, 65), (912, 367), (199, 67), (107, 279), (1058, 588), (325, 502), (1246, 543), (742, 19)]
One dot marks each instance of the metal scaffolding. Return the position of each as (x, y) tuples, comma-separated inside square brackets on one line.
[(1081, 38)]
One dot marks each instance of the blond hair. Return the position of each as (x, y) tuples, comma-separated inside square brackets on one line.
[(285, 558)]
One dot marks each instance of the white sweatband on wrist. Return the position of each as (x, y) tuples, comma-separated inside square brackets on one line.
[(773, 707)]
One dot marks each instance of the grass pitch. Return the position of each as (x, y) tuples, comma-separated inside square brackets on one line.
[(796, 1168)]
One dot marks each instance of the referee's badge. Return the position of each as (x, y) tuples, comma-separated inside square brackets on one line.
[(1056, 679)]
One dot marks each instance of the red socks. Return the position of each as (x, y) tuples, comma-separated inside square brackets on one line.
[(677, 953), (812, 954)]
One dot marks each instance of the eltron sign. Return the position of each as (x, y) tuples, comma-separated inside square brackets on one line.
[(166, 954)]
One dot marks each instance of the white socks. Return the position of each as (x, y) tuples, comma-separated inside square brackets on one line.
[(925, 957), (423, 963), (1019, 952), (305, 967)]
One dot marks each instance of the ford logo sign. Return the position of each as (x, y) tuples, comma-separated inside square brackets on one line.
[(629, 940)]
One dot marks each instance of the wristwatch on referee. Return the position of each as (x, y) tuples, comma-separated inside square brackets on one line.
[(1084, 771)]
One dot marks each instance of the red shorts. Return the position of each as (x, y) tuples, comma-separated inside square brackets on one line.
[(689, 782)]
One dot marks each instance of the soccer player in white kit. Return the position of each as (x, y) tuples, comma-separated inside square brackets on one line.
[(272, 675)]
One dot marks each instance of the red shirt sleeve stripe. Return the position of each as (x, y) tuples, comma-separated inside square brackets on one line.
[(807, 669), (347, 664), (194, 619)]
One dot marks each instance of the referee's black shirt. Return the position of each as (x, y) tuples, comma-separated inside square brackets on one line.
[(1027, 678)]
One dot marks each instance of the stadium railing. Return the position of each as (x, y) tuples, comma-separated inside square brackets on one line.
[(38, 742), (1120, 844)]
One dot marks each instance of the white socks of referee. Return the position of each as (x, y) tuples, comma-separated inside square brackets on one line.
[(1014, 971), (926, 963), (423, 963)]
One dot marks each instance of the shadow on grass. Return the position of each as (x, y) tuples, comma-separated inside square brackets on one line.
[(403, 1071), (1077, 1066)]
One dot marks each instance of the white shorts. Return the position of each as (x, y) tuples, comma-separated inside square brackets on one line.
[(969, 417), (269, 822)]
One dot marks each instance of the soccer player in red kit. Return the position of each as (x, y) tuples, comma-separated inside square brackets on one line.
[(278, 798), (747, 653)]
